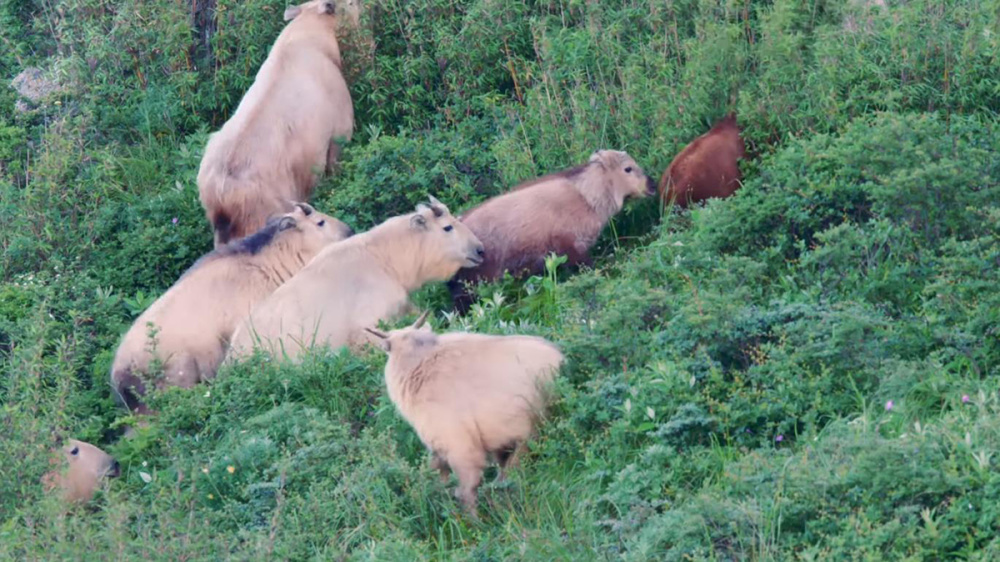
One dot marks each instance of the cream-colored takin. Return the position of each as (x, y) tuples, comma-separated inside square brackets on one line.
[(562, 213), (81, 467), (358, 282), (192, 323), (286, 129), (468, 396)]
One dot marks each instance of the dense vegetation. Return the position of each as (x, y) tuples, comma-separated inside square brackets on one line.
[(808, 370)]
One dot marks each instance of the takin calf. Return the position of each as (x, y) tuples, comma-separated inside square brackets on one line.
[(83, 467), (194, 320), (708, 167), (284, 131), (356, 283), (562, 213), (468, 396)]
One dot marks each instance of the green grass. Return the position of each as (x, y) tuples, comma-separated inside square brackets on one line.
[(729, 368)]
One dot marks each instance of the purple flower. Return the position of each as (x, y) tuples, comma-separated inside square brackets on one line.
[(888, 405), (779, 438), (965, 398), (174, 221)]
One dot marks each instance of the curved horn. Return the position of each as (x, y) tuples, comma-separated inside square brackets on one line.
[(377, 333), (420, 321), (307, 209), (438, 207)]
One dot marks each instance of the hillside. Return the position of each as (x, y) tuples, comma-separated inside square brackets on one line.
[(805, 371)]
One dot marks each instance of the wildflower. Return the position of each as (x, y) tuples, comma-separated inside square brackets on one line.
[(211, 496), (230, 469), (888, 406), (143, 463), (174, 221), (208, 393), (204, 469), (779, 438), (965, 399)]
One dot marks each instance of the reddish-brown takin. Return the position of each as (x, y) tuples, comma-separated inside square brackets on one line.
[(707, 167), (563, 213), (468, 396), (194, 320), (287, 128), (80, 469)]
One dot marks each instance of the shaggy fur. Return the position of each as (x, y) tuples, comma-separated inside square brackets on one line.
[(357, 283), (562, 213), (468, 396), (195, 319), (708, 167), (285, 131)]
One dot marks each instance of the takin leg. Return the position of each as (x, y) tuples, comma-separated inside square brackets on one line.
[(439, 464), (507, 457), (469, 468), (461, 297), (332, 157)]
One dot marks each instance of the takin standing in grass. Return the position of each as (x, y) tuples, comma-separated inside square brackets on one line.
[(468, 396), (81, 468), (353, 285), (708, 167), (286, 130), (192, 323), (562, 213)]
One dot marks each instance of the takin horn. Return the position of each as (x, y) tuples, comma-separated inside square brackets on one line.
[(423, 318)]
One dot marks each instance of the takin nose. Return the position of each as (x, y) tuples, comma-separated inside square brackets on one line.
[(650, 186), (115, 470)]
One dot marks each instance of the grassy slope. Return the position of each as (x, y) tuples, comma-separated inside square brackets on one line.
[(807, 370)]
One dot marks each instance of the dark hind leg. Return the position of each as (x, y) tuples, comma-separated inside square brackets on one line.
[(461, 297), (332, 157), (439, 464), (507, 457)]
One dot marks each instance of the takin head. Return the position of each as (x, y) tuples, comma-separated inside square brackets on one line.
[(84, 466)]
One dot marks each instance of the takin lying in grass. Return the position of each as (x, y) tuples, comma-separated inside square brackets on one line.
[(192, 323), (562, 213), (708, 167), (356, 283), (287, 128), (81, 467), (468, 396)]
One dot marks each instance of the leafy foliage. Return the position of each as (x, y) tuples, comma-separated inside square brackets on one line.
[(805, 370)]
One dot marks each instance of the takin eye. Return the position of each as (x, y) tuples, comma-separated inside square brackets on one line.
[(448, 228), (75, 451), (628, 170), (321, 223)]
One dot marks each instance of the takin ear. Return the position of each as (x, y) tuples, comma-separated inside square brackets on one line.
[(285, 223), (418, 221), (381, 338), (597, 158), (292, 12)]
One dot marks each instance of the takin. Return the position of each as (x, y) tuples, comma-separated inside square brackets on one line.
[(82, 467), (188, 328), (708, 167), (354, 284), (285, 131), (563, 213), (468, 396)]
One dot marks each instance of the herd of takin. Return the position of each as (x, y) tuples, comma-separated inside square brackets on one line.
[(284, 276)]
